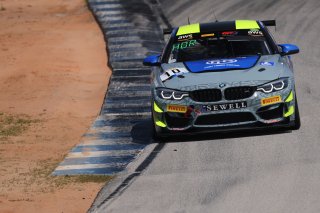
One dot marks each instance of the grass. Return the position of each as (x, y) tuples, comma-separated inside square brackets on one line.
[(43, 172), (92, 178), (39, 179), (60, 181), (14, 125)]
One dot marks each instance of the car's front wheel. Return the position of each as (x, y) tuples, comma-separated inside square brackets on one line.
[(297, 122), (156, 130)]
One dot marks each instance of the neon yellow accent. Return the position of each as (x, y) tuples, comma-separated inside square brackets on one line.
[(290, 97), (161, 124), (207, 35), (157, 108), (246, 24), (188, 29), (290, 111)]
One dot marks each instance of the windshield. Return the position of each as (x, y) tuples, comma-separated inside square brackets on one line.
[(225, 44)]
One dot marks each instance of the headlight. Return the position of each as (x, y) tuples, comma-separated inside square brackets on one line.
[(169, 94), (274, 86)]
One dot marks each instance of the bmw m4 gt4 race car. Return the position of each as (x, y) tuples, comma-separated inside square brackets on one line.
[(223, 76)]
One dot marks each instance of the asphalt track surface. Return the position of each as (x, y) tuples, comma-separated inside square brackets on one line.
[(248, 172)]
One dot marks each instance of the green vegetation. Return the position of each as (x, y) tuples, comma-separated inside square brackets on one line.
[(92, 178), (14, 125), (45, 168)]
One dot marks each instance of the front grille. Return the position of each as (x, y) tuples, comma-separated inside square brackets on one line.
[(225, 118), (236, 93), (206, 95)]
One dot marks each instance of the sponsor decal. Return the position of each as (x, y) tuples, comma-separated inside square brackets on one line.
[(255, 32), (172, 72), (229, 33), (221, 107), (221, 64), (222, 61), (183, 45), (185, 37), (207, 35), (176, 108), (267, 63), (271, 100)]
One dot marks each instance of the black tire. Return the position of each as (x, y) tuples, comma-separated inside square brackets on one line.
[(156, 131), (297, 122)]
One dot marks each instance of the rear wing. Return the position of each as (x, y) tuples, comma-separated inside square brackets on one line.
[(267, 23)]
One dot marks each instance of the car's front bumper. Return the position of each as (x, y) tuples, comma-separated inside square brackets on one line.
[(193, 117), (286, 124)]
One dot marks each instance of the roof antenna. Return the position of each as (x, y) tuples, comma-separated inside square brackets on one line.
[(215, 16), (188, 20)]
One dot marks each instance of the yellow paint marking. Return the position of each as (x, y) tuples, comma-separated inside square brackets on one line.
[(187, 29), (246, 24), (161, 124), (290, 111), (207, 35), (290, 97), (156, 108)]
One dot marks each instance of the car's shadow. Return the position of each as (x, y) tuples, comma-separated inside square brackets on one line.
[(219, 136), (142, 133)]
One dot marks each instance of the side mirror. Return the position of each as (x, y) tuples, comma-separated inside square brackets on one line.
[(152, 60), (288, 49)]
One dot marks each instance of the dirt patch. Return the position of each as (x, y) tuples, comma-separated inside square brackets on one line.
[(53, 78)]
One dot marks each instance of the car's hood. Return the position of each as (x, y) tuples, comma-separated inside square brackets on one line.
[(246, 70)]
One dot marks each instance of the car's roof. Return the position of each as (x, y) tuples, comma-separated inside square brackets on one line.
[(217, 26)]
